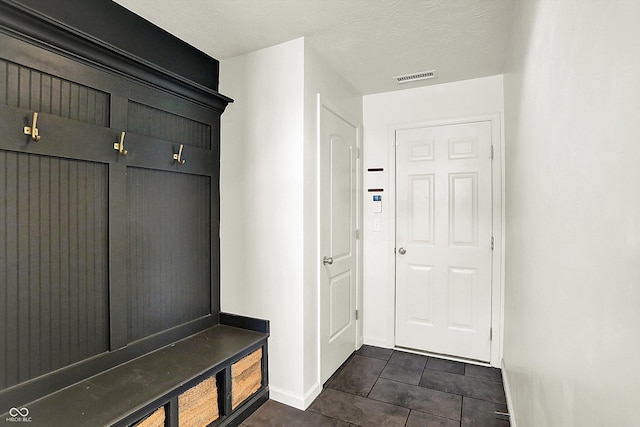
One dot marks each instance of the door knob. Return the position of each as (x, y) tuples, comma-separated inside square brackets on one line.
[(402, 251), (327, 260)]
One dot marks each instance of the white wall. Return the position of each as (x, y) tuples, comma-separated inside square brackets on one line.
[(572, 98), (261, 224), (382, 112), (269, 210)]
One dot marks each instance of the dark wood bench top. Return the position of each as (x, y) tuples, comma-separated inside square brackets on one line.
[(110, 396)]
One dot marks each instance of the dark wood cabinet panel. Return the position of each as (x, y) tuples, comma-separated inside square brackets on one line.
[(169, 249), (145, 120), (53, 225), (30, 89)]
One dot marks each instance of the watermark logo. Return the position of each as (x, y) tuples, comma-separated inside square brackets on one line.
[(18, 415)]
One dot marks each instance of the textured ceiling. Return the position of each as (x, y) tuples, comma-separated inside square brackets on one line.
[(367, 41)]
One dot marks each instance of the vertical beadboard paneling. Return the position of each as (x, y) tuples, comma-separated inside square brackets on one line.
[(149, 121), (33, 90), (169, 256), (53, 265)]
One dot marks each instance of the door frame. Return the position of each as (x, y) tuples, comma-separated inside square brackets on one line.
[(322, 102), (498, 226)]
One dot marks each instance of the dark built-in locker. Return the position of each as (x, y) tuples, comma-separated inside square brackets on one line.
[(109, 196)]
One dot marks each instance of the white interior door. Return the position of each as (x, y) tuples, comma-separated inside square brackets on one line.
[(444, 239), (338, 204)]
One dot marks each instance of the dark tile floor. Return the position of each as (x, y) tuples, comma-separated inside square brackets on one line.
[(381, 387)]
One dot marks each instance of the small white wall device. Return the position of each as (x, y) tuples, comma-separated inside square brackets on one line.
[(377, 203)]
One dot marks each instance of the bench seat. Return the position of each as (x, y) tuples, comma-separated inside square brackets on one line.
[(129, 392)]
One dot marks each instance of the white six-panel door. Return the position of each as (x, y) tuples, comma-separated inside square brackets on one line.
[(444, 239), (338, 210)]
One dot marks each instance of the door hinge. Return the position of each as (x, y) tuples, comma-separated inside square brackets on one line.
[(357, 152), (492, 243), (357, 234), (490, 334), (356, 314), (491, 153)]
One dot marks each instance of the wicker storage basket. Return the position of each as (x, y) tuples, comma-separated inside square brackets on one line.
[(246, 377), (198, 406), (156, 419)]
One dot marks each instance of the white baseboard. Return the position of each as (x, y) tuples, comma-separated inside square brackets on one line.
[(301, 402), (283, 396), (507, 392), (311, 394)]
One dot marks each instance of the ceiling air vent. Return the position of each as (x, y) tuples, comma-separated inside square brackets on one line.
[(423, 75)]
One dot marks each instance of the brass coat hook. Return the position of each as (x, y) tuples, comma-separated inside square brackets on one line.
[(33, 130), (119, 146), (178, 156)]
